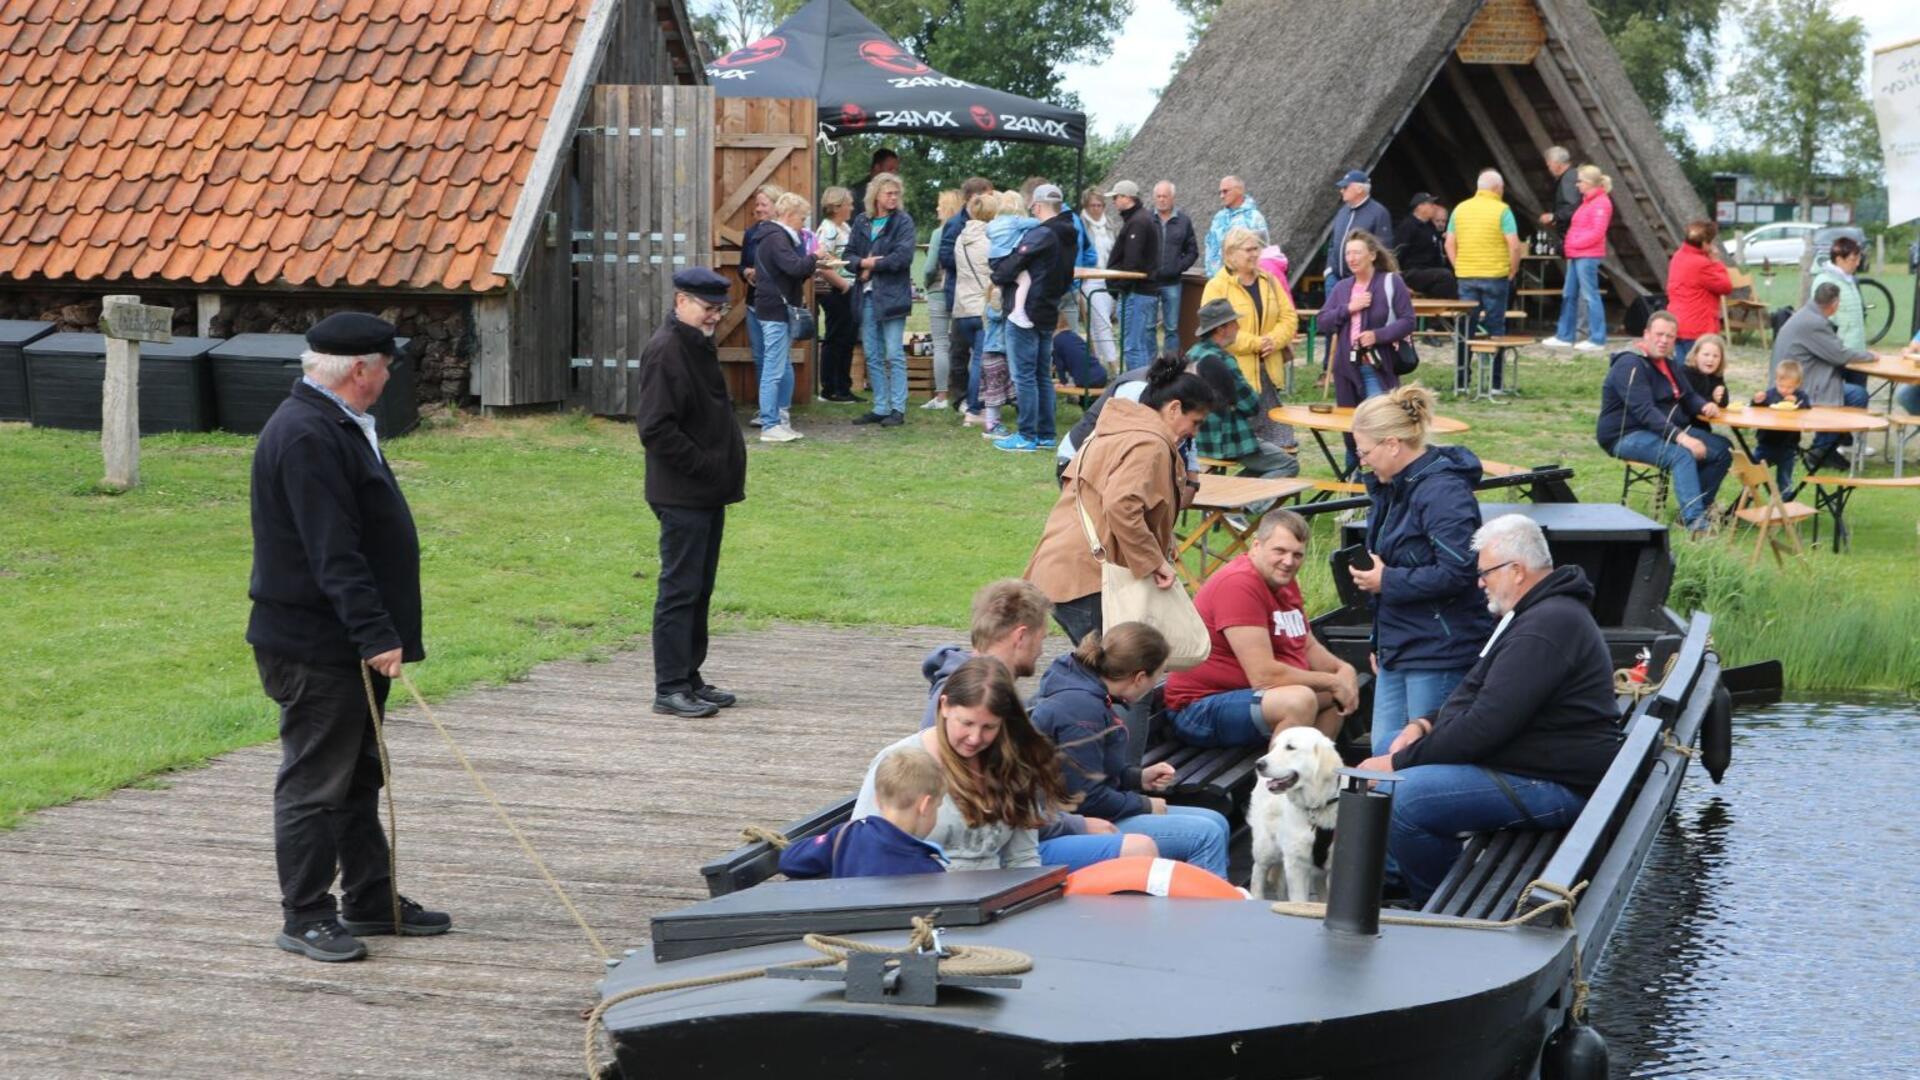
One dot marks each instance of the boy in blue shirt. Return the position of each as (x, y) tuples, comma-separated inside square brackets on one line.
[(909, 787), (1779, 448)]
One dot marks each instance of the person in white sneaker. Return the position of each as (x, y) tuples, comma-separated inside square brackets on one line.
[(782, 266)]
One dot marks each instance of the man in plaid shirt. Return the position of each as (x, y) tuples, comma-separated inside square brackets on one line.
[(1227, 432)]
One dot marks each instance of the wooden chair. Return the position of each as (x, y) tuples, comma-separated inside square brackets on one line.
[(1761, 506)]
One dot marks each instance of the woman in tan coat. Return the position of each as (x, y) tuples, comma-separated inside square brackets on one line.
[(1132, 480)]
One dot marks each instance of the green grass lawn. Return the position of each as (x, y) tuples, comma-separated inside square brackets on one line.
[(125, 614)]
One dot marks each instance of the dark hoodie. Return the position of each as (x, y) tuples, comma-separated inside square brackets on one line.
[(1540, 702), (871, 846), (1073, 710), (938, 667), (1430, 613)]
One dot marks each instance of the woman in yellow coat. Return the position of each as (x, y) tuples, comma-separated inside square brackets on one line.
[(1267, 318)]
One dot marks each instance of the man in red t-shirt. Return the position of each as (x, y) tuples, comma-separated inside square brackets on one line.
[(1267, 671)]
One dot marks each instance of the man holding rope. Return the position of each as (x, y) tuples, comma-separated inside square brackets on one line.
[(336, 610)]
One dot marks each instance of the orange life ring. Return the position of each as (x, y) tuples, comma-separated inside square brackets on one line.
[(1155, 877)]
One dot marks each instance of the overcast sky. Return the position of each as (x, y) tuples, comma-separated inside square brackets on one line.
[(1120, 91)]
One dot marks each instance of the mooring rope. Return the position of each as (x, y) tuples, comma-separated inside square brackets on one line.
[(754, 834), (1624, 684), (386, 782), (486, 791), (957, 960), (1565, 903)]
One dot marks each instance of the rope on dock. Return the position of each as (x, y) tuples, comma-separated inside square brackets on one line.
[(754, 834), (957, 960)]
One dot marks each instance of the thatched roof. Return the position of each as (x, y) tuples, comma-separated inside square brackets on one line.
[(1289, 94)]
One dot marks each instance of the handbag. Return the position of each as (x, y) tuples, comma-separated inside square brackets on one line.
[(1404, 358), (801, 324), (1126, 598)]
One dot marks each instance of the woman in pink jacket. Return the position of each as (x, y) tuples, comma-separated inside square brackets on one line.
[(1585, 245)]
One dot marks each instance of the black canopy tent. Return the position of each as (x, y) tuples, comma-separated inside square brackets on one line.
[(866, 84)]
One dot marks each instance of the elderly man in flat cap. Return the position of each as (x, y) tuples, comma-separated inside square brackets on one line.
[(696, 467), (336, 606)]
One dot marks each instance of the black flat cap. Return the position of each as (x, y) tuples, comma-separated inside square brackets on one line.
[(351, 333), (700, 282), (1422, 199)]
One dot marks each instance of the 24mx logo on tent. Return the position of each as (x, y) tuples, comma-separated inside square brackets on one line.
[(923, 118), (852, 117), (888, 56), (1034, 125), (983, 118), (759, 52)]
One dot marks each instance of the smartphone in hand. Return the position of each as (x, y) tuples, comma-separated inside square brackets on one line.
[(1358, 557)]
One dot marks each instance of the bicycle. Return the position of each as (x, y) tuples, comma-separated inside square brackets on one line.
[(1876, 308)]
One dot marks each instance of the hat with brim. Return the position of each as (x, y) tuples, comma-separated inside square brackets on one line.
[(701, 283), (1421, 199), (351, 333), (1125, 187), (1215, 314), (1354, 176)]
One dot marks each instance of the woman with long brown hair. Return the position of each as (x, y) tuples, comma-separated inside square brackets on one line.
[(1003, 777)]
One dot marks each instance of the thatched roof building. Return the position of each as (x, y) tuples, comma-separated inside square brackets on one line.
[(1289, 94)]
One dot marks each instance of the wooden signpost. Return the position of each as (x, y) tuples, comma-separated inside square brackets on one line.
[(126, 322)]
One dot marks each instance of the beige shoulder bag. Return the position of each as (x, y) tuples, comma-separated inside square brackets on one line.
[(1126, 598)]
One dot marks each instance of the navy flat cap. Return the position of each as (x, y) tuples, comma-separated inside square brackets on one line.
[(700, 282), (351, 333)]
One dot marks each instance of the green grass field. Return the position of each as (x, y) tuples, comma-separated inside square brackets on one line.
[(125, 614)]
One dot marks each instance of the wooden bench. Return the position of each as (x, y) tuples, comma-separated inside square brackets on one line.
[(1083, 396), (1901, 428), (1491, 352), (1833, 493)]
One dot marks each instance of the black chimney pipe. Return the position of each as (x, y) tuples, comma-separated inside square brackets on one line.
[(1359, 852)]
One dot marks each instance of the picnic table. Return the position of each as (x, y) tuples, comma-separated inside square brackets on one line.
[(1340, 419), (1894, 370), (1228, 502), (1830, 493)]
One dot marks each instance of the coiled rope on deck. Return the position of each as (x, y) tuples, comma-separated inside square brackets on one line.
[(1565, 903), (956, 960)]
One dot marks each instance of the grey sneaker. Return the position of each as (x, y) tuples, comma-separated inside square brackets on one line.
[(322, 939)]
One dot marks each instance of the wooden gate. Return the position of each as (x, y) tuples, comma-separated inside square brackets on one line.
[(645, 210), (758, 141)]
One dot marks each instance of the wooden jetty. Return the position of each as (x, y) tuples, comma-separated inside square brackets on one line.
[(136, 931)]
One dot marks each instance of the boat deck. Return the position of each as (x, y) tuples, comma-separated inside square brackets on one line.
[(136, 931)]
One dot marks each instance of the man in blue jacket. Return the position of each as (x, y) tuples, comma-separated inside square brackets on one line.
[(1358, 211), (1647, 412), (1039, 254), (1523, 740), (336, 610)]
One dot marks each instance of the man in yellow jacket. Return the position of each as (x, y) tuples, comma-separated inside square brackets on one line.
[(1483, 243)]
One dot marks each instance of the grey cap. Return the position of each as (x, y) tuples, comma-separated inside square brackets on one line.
[(1215, 314), (1125, 187), (1047, 193)]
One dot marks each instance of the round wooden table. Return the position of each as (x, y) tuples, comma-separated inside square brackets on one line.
[(1819, 420), (1340, 419), (1891, 368)]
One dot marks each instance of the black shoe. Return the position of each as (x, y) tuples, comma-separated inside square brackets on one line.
[(415, 921), (683, 703), (851, 396), (893, 419), (321, 939), (713, 695), (837, 399), (871, 418)]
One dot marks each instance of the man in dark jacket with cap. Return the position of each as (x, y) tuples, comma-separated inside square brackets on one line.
[(1359, 210), (336, 610), (1422, 250), (696, 467), (1135, 250), (1527, 735)]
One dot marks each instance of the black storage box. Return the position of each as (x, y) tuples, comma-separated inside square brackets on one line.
[(15, 335), (788, 910), (65, 373), (253, 372)]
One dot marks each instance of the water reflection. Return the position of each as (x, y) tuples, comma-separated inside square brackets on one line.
[(1773, 931)]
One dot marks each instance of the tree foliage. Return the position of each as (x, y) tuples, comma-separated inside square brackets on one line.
[(1666, 47), (1794, 98)]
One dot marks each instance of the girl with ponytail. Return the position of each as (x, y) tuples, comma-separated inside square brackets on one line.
[(1078, 708)]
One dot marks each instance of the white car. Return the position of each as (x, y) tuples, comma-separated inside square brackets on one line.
[(1782, 242)]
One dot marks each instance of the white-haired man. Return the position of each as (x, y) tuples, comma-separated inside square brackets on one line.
[(1237, 210), (1359, 212), (1179, 249), (336, 597), (1483, 243), (1525, 737), (1566, 196)]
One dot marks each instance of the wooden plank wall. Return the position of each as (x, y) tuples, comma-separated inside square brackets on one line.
[(646, 164), (637, 54), (759, 141), (526, 336)]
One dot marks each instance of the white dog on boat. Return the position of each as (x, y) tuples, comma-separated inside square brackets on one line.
[(1292, 815)]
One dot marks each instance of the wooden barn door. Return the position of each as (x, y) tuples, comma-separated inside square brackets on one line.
[(758, 141), (645, 168)]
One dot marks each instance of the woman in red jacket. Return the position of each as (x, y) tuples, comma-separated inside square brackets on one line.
[(1696, 280)]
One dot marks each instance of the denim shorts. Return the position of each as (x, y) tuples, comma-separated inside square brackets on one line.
[(1229, 718)]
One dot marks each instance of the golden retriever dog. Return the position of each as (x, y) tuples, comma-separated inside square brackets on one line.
[(1292, 814)]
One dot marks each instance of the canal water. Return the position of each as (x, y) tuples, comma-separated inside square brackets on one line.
[(1776, 929)]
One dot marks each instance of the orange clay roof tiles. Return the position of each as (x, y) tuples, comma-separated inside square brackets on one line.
[(272, 142)]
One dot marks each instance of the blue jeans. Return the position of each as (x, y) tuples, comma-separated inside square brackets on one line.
[(1029, 364), (1680, 350), (970, 332), (754, 344), (886, 359), (1168, 301), (1434, 804), (1190, 834), (994, 340), (1909, 399), (1491, 315), (1781, 456), (776, 371), (1695, 483), (1079, 851), (1137, 329), (1399, 696), (1229, 718), (1583, 282), (1854, 397)]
